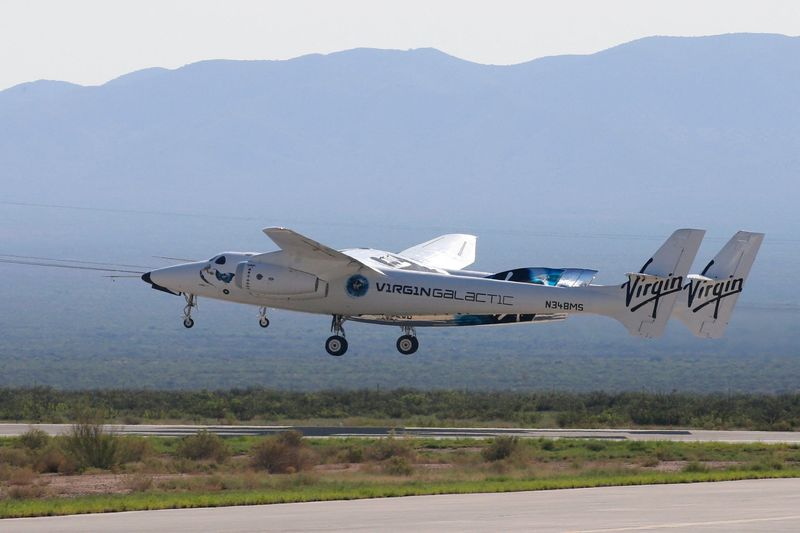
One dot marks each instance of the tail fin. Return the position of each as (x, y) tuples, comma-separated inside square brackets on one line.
[(651, 293), (708, 301)]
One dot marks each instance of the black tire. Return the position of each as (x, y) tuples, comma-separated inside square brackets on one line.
[(188, 322), (336, 345), (407, 344), (263, 322)]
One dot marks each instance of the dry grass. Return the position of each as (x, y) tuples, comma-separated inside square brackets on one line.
[(290, 464)]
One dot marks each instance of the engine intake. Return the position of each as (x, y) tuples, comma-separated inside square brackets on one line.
[(275, 280)]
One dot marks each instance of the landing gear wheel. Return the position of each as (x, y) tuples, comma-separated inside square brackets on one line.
[(336, 345), (263, 321), (191, 303), (407, 344)]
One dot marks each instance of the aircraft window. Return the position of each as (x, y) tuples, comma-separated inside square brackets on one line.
[(220, 260)]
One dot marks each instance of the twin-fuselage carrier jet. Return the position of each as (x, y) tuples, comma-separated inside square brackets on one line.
[(426, 285)]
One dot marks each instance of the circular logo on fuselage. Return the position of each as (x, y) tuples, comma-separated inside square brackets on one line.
[(357, 285)]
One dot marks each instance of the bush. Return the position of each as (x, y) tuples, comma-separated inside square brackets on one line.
[(138, 483), (25, 492), (22, 476), (284, 453), (695, 466), (14, 457), (389, 447), (595, 445), (34, 439), (89, 445), (203, 445), (501, 448), (398, 466), (134, 449), (352, 454), (51, 460)]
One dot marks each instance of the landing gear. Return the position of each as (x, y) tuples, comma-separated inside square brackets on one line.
[(191, 303), (263, 321), (336, 344), (408, 343)]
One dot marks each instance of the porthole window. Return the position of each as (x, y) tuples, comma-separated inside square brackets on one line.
[(259, 276)]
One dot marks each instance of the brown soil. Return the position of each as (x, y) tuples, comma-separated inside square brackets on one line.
[(80, 485)]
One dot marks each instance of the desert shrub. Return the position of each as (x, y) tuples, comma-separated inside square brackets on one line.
[(387, 448), (34, 439), (695, 466), (284, 453), (650, 461), (89, 445), (22, 476), (134, 449), (501, 448), (51, 460), (203, 445), (353, 454), (766, 464), (595, 446), (25, 492), (138, 483), (397, 466), (14, 457)]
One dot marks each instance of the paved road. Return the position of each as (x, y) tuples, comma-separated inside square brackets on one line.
[(336, 431), (753, 505)]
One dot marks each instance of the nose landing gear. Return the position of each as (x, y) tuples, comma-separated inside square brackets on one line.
[(191, 303), (407, 344), (263, 321), (336, 344)]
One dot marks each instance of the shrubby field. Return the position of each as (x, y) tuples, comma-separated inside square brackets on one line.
[(409, 407), (89, 470)]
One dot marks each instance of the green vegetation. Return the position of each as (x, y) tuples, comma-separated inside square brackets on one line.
[(285, 453), (157, 473), (411, 407), (345, 491), (90, 445), (203, 445)]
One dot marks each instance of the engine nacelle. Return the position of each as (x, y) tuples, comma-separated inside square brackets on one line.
[(278, 281)]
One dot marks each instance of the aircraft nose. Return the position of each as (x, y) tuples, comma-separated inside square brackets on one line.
[(166, 280)]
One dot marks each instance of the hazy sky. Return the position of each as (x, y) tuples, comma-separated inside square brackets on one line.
[(92, 41)]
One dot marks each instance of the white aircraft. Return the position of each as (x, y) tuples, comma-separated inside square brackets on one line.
[(426, 285)]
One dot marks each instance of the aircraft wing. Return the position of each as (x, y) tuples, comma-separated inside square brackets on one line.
[(308, 250), (449, 252)]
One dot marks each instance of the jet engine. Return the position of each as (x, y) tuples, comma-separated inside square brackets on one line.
[(279, 281)]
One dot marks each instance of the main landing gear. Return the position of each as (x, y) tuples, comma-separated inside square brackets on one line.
[(407, 344), (336, 344), (263, 321), (191, 303)]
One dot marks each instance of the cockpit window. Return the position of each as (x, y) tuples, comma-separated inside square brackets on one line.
[(220, 260)]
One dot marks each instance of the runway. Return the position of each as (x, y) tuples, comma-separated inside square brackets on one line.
[(695, 435), (751, 505)]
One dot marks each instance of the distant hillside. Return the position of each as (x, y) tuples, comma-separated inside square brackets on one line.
[(663, 128)]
